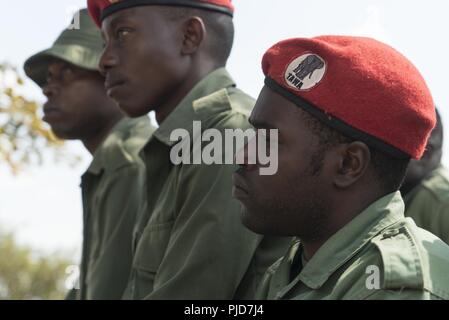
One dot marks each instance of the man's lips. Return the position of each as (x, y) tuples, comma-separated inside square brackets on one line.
[(50, 112), (111, 84)]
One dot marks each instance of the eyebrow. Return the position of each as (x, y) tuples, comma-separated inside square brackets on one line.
[(117, 20), (58, 65)]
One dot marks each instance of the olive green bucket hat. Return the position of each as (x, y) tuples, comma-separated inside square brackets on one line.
[(81, 46)]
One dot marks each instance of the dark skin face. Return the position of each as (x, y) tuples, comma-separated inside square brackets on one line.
[(420, 169), (151, 62), (296, 201), (77, 105)]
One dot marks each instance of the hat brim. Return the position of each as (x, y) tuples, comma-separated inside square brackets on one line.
[(36, 66)]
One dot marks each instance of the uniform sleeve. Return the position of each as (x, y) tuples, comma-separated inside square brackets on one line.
[(441, 222), (404, 294), (430, 213), (209, 249), (117, 204)]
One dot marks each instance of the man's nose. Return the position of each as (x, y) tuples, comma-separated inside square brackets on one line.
[(108, 60), (246, 157), (49, 90)]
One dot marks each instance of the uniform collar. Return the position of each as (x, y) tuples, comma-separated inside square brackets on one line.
[(347, 242), (439, 171), (102, 158), (184, 114)]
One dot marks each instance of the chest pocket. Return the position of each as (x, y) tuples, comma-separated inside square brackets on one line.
[(151, 246)]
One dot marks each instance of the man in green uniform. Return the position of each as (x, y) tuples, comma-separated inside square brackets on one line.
[(189, 242), (112, 187), (426, 188), (350, 112)]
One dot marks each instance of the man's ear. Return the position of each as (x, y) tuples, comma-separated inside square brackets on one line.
[(353, 159), (194, 33)]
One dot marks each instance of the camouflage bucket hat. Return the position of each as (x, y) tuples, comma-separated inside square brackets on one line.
[(81, 47)]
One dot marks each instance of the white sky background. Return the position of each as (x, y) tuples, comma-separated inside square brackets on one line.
[(43, 205)]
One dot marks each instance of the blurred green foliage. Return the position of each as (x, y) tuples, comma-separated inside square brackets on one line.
[(25, 275)]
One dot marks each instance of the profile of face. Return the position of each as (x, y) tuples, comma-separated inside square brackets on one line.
[(419, 169), (293, 201), (142, 62), (77, 105)]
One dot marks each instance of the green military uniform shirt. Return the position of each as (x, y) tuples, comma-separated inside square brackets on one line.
[(380, 254), (190, 242), (112, 192), (428, 204)]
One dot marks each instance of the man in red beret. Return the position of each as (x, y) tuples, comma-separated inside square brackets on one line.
[(350, 112), (169, 57)]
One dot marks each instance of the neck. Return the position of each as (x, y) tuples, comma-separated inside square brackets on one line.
[(92, 142), (346, 209), (173, 100)]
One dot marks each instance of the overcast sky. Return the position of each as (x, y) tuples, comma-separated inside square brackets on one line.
[(43, 205)]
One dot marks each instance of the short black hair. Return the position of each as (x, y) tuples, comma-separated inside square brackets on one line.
[(389, 170), (219, 26)]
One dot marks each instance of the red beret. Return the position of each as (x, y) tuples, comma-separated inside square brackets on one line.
[(359, 86), (100, 9)]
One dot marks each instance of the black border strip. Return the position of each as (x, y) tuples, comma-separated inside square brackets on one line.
[(178, 3), (335, 123)]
